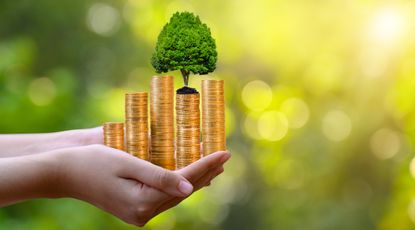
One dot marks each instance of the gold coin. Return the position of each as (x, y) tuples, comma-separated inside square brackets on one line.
[(114, 135), (187, 129), (213, 116), (136, 122), (162, 121)]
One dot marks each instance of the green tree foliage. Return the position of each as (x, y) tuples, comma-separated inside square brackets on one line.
[(185, 44)]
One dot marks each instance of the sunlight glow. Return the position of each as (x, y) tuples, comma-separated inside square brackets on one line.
[(388, 25)]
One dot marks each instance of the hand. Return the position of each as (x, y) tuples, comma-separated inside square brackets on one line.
[(131, 189), (199, 173), (27, 144)]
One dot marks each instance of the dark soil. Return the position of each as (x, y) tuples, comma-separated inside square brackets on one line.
[(186, 90)]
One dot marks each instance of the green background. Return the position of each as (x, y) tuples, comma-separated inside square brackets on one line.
[(320, 105)]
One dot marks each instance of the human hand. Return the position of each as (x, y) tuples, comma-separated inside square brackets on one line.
[(27, 144), (127, 187), (199, 173)]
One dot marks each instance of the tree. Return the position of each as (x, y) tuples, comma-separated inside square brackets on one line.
[(185, 44)]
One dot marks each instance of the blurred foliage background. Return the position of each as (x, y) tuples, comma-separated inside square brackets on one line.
[(320, 105)]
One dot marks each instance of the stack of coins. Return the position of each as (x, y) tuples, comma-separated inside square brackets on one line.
[(136, 122), (188, 129), (213, 116), (161, 122), (114, 135)]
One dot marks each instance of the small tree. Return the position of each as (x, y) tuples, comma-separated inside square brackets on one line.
[(185, 44)]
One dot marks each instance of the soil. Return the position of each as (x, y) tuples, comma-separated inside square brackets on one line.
[(186, 90)]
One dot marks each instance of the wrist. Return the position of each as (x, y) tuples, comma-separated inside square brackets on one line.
[(28, 177), (80, 137), (69, 164), (50, 167)]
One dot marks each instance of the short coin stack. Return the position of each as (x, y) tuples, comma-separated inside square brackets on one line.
[(114, 135), (161, 122), (188, 129), (213, 116), (136, 122)]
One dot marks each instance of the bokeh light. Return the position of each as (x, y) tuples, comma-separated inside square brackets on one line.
[(250, 126), (296, 111), (385, 143), (272, 125), (257, 95), (42, 91), (336, 125), (103, 19)]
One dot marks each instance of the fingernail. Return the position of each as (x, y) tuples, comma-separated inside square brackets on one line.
[(185, 187), (225, 158)]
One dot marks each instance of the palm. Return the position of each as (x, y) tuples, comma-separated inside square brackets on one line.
[(156, 201)]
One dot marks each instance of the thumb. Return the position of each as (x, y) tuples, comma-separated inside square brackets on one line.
[(154, 176)]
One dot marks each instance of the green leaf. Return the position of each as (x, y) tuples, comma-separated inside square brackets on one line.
[(185, 43)]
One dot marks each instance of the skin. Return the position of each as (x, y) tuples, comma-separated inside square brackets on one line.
[(74, 164), (27, 144)]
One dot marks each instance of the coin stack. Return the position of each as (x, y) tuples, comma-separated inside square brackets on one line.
[(213, 116), (188, 129), (114, 135), (136, 122), (161, 122)]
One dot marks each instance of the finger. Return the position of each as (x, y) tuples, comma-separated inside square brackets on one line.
[(203, 181), (197, 184), (154, 176), (193, 171), (168, 202), (207, 181)]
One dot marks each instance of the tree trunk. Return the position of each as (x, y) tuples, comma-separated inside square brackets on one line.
[(185, 75)]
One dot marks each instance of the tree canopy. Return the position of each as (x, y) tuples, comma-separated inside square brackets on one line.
[(185, 44)]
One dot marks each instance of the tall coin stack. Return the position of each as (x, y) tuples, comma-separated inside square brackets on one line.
[(114, 135), (161, 122), (213, 116), (136, 122), (188, 129)]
